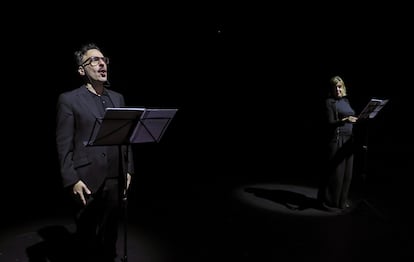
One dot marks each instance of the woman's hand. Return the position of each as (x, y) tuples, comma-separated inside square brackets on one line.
[(350, 119)]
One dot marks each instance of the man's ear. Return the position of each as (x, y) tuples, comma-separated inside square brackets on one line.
[(81, 70)]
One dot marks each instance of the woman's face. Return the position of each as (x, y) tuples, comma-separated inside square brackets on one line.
[(339, 89)]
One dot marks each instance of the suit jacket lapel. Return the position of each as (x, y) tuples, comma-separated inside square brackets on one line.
[(87, 100), (114, 99)]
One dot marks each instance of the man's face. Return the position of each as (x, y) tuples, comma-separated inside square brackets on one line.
[(94, 66)]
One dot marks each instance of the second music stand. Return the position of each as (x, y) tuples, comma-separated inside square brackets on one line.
[(369, 112)]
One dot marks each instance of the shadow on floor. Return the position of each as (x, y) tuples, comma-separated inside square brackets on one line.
[(56, 245), (289, 199)]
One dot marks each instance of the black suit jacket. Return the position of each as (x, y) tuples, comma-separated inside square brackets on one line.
[(76, 117)]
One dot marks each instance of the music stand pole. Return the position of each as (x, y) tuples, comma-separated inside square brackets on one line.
[(364, 173), (124, 200)]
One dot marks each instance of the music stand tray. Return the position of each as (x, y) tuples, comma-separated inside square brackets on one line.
[(372, 108), (130, 125), (152, 125)]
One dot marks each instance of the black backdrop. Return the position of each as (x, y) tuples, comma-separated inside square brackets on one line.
[(248, 81)]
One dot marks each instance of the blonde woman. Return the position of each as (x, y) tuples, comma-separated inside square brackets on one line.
[(336, 183)]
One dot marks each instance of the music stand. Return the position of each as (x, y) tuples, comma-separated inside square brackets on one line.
[(369, 112), (372, 108), (125, 126)]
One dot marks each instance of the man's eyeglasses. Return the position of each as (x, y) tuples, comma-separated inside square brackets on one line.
[(94, 61)]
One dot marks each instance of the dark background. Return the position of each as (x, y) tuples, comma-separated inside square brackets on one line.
[(249, 83)]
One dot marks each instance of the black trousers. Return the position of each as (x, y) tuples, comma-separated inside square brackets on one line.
[(97, 222)]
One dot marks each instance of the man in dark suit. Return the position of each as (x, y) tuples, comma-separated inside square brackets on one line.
[(94, 176)]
